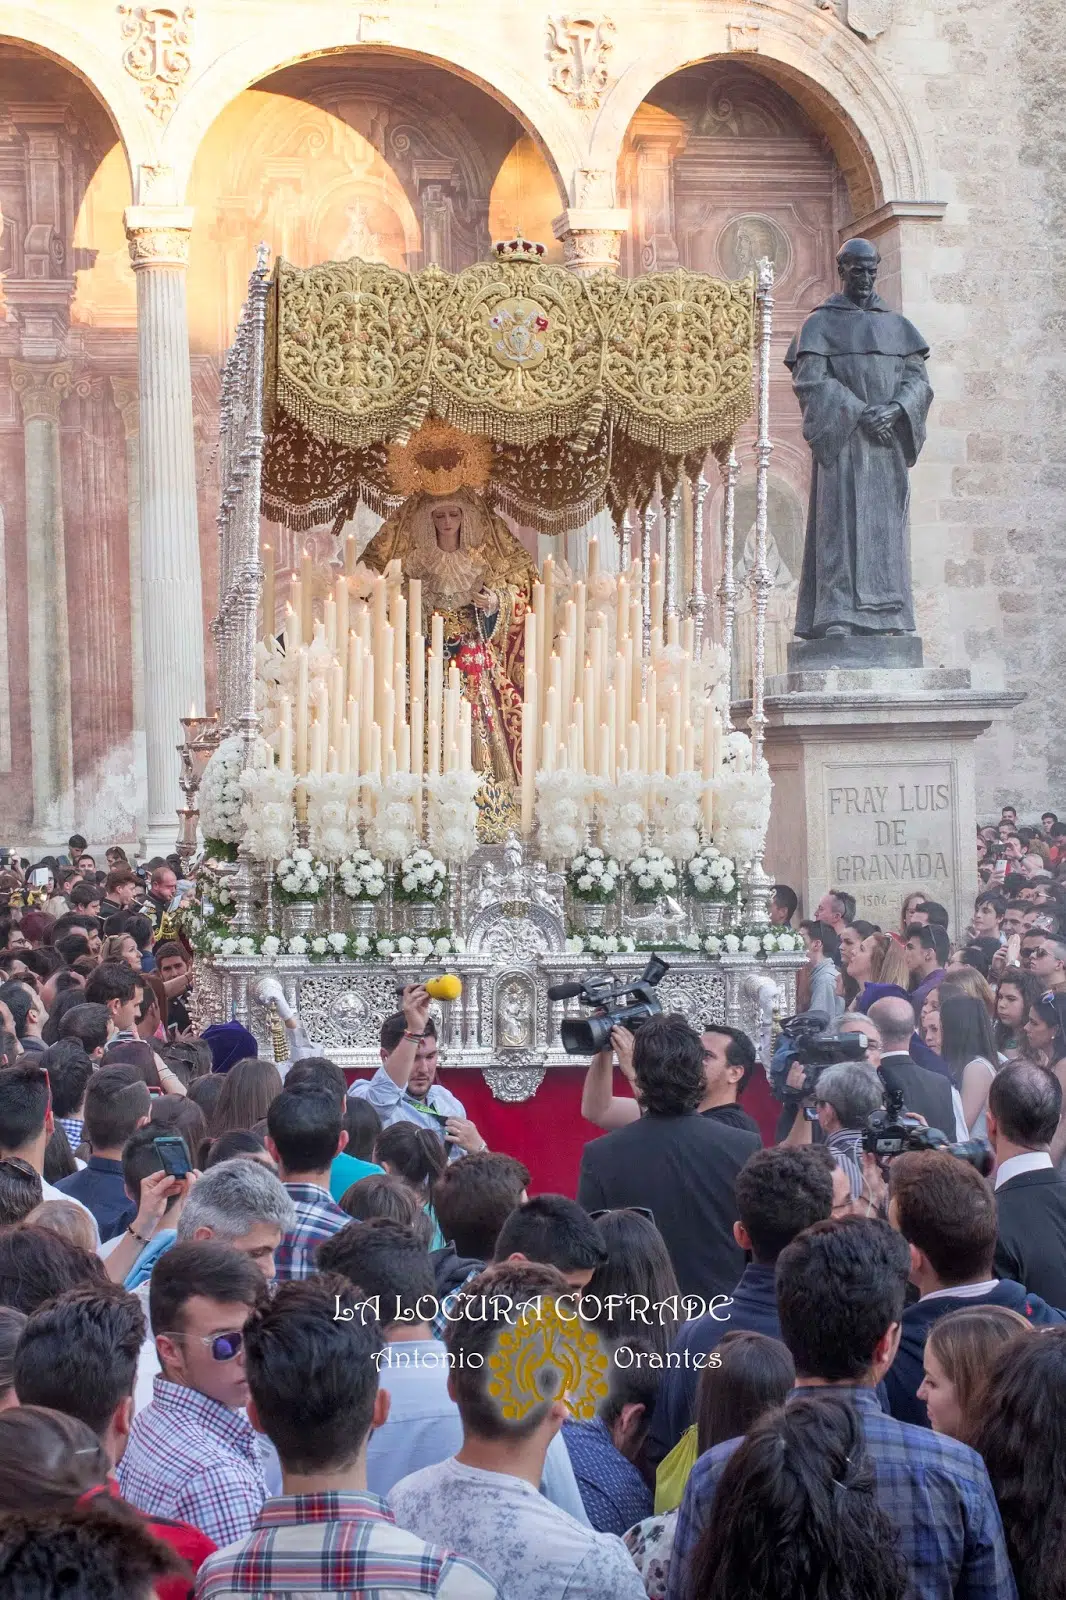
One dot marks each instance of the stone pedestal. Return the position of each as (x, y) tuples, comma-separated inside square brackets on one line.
[(874, 792)]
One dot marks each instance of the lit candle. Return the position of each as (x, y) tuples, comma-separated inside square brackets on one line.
[(418, 742), (307, 593), (633, 746), (290, 630), (333, 760), (350, 555), (330, 626), (268, 594), (418, 669), (374, 766), (296, 605), (346, 739), (414, 606), (688, 740), (594, 558), (403, 747), (621, 624), (336, 703), (589, 705), (433, 753), (343, 623), (604, 756), (547, 753), (436, 634), (388, 720), (660, 747), (465, 737), (530, 626)]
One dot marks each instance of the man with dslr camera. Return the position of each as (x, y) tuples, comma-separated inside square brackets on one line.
[(675, 1163)]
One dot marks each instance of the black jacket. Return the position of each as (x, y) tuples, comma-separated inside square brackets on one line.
[(1032, 1233), (682, 1169), (926, 1093), (451, 1271)]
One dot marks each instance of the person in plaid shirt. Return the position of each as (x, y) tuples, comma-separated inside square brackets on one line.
[(313, 1377), (304, 1133), (192, 1453), (840, 1292)]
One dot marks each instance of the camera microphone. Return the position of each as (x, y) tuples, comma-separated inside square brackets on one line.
[(565, 991)]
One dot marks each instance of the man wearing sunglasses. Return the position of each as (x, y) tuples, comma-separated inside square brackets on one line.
[(192, 1453), (1047, 961)]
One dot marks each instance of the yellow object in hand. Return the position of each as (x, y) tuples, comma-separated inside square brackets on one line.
[(447, 987)]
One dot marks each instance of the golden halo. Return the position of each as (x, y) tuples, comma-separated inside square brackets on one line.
[(439, 459)]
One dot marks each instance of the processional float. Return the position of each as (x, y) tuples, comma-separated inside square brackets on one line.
[(430, 753)]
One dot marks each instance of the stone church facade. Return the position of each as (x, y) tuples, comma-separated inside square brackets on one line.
[(146, 150)]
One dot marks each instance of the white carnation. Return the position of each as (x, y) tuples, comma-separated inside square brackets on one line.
[(291, 884), (298, 945), (385, 947), (442, 947), (574, 946), (712, 944), (732, 943), (750, 944), (337, 943), (270, 946), (362, 944), (319, 947), (405, 945), (410, 883), (423, 947), (584, 883), (246, 945)]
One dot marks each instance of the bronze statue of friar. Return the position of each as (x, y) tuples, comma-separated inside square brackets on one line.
[(858, 372)]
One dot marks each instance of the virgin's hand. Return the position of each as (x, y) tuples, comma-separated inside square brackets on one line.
[(487, 601)]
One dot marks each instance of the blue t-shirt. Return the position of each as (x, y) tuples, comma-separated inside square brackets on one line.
[(347, 1170)]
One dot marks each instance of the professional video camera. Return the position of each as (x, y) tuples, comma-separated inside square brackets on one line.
[(812, 1043), (893, 1131), (587, 1036)]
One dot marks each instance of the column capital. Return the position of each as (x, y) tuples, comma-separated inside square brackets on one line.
[(591, 238), (41, 387), (127, 401), (158, 236)]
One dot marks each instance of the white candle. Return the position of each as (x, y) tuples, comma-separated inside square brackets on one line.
[(302, 710), (418, 742), (433, 753), (296, 608), (350, 555), (317, 748), (374, 766), (529, 764), (336, 703), (343, 623), (594, 558), (333, 760), (465, 737), (414, 604), (330, 614)]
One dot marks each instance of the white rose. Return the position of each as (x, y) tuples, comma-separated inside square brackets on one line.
[(646, 881), (436, 890), (228, 947), (611, 944), (578, 863), (691, 941), (627, 945), (595, 854), (362, 944), (442, 947), (769, 943), (319, 946), (639, 866), (286, 865), (596, 942), (290, 884), (385, 947), (607, 883), (246, 945), (298, 946), (727, 885), (574, 947), (424, 947), (712, 944), (302, 855), (337, 943), (312, 885), (702, 884), (732, 943), (270, 946), (410, 883), (584, 883), (749, 943), (787, 941), (405, 945)]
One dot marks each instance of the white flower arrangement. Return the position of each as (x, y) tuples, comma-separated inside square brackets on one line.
[(300, 876), (651, 875), (452, 814), (362, 876), (392, 825), (594, 876), (332, 815), (562, 810), (270, 946), (730, 943), (621, 809), (297, 945), (344, 946), (221, 794), (600, 944), (677, 803), (267, 811), (712, 876), (421, 877), (741, 801)]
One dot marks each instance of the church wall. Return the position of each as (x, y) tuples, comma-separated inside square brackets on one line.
[(939, 129)]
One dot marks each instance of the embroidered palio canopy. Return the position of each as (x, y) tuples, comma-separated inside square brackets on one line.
[(586, 389)]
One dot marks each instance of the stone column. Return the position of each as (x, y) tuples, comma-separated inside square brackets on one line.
[(126, 401), (170, 545), (591, 238), (42, 388)]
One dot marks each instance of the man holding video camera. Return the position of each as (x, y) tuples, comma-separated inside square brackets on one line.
[(673, 1162)]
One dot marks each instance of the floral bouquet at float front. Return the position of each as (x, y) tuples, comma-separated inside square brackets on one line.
[(361, 876), (712, 876), (421, 877), (593, 876), (651, 875), (300, 877)]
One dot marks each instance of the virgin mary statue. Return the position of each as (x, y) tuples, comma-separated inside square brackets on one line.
[(479, 578)]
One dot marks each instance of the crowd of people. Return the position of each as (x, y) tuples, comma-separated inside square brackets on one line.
[(265, 1331)]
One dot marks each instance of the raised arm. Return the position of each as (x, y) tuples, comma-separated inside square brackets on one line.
[(415, 1006)]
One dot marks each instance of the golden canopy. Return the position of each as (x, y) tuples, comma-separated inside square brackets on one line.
[(587, 389)]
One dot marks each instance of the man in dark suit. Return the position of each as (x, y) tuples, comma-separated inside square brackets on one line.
[(677, 1164), (1024, 1106), (926, 1093)]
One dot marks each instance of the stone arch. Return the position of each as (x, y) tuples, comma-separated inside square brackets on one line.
[(831, 75), (35, 30), (260, 57)]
